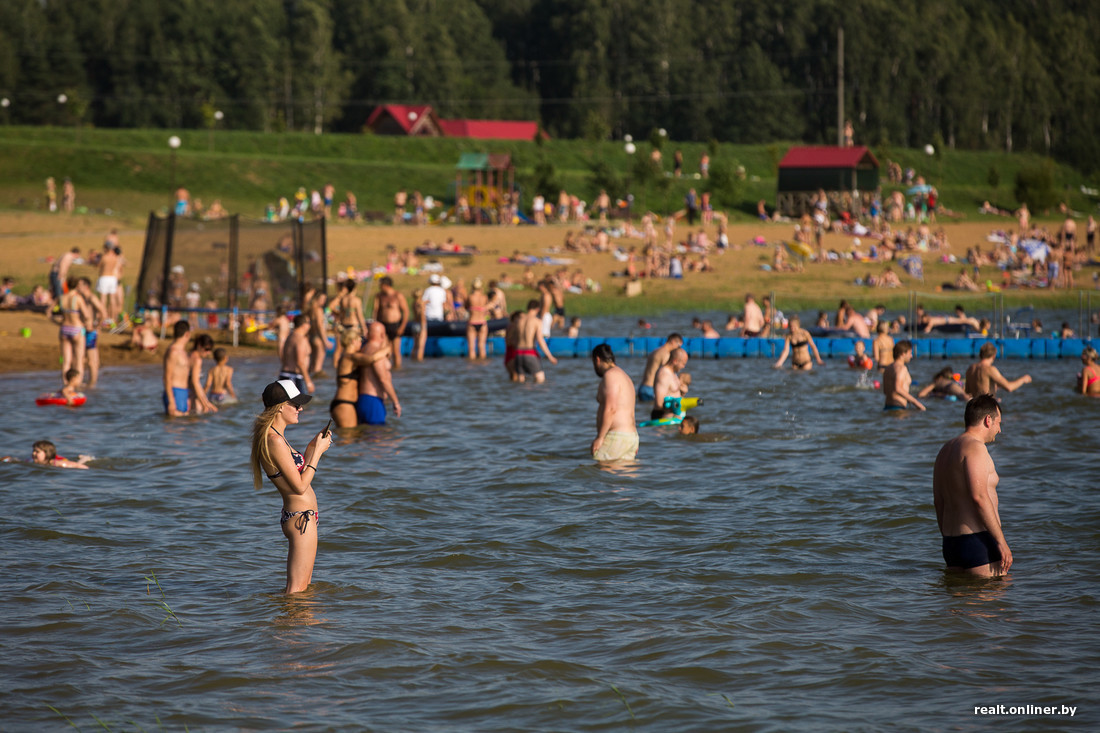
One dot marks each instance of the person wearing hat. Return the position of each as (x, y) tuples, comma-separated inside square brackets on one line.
[(436, 300), (292, 474)]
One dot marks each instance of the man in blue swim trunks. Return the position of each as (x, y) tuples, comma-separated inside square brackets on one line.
[(654, 362), (375, 382), (964, 489), (177, 367)]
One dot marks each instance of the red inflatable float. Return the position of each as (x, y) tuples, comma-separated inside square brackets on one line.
[(55, 398)]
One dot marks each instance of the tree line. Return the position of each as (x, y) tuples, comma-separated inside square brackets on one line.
[(1014, 75)]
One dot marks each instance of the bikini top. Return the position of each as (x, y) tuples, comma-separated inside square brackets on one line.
[(299, 459)]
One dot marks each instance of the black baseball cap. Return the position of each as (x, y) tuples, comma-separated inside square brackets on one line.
[(284, 391)]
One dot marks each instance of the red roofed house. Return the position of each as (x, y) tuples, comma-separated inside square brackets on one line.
[(491, 129), (849, 177), (402, 119), (398, 119)]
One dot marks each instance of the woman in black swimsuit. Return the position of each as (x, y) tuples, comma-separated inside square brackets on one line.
[(799, 343), (287, 469), (342, 407)]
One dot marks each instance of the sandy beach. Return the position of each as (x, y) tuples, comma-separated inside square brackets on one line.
[(31, 240)]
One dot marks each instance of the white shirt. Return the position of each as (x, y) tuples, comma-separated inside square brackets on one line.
[(434, 299)]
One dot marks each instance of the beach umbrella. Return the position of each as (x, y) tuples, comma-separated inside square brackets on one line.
[(922, 188), (1036, 248)]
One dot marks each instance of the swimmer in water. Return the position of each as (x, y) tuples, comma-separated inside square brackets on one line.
[(292, 475), (690, 425), (944, 384), (859, 359), (219, 381), (657, 359), (896, 379), (984, 378), (44, 453), (1088, 379)]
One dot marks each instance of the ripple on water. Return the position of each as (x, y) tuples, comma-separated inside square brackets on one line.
[(484, 574)]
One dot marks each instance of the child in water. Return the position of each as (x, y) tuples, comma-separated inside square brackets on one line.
[(860, 359), (44, 453), (219, 381), (71, 389), (689, 426)]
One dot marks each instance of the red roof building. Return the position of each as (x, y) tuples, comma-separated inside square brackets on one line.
[(828, 156), (849, 177), (399, 119), (403, 119)]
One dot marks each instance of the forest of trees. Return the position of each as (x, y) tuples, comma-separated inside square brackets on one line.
[(973, 74)]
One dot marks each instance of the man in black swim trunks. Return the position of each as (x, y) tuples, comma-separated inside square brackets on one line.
[(964, 489), (392, 311)]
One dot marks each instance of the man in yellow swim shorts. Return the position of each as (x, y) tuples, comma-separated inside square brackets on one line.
[(616, 436)]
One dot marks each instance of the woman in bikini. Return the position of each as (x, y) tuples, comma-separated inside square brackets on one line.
[(292, 474), (342, 407), (71, 314), (477, 328), (799, 343), (1088, 379)]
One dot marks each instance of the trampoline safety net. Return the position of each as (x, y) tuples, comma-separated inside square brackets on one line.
[(230, 263)]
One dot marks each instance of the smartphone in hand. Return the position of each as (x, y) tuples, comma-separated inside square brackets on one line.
[(328, 429)]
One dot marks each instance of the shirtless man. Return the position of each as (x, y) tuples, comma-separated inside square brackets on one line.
[(374, 380), (71, 313), (668, 384), (1068, 235), (202, 348), (529, 340), (896, 379), (295, 355), (110, 268), (883, 346), (964, 490), (616, 436), (855, 322), (318, 335), (176, 396), (546, 306), (753, 322), (984, 378), (282, 326), (59, 273), (655, 361), (557, 302), (392, 311)]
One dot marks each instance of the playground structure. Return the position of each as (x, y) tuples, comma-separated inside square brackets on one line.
[(483, 180), (229, 265)]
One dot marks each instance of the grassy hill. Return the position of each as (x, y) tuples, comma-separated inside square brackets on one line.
[(133, 171)]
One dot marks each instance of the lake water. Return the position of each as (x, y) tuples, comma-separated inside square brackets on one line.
[(479, 572)]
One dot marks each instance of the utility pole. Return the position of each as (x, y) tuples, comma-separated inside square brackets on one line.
[(840, 86)]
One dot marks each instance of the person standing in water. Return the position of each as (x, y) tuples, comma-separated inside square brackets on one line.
[(292, 475), (896, 379), (964, 491), (616, 435)]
